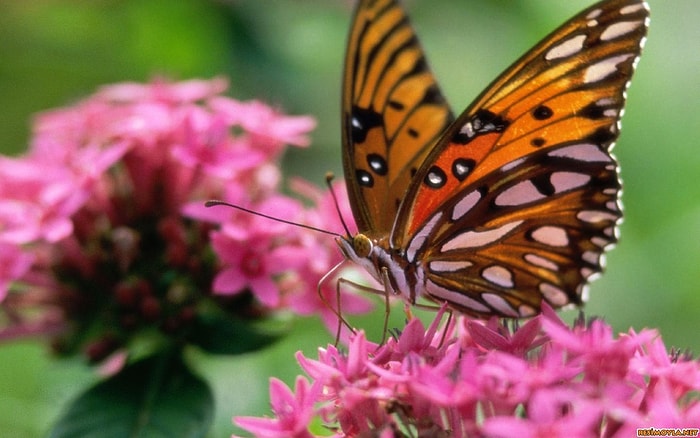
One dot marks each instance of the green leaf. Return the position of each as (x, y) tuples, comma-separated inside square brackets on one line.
[(155, 397), (224, 334)]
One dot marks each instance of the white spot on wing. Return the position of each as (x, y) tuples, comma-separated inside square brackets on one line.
[(616, 30), (612, 112), (448, 266), (551, 235), (588, 152), (612, 206), (554, 295), (524, 310), (595, 13), (465, 204), (499, 304), (508, 166), (563, 181), (590, 257), (599, 242), (594, 216), (540, 261), (467, 130), (604, 68), (420, 237), (454, 297), (566, 48), (499, 276), (521, 193), (473, 239), (631, 9)]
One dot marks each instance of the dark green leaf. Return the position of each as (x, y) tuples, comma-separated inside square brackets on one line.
[(155, 397), (223, 334)]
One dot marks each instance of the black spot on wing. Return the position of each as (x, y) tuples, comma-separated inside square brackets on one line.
[(361, 121), (364, 178), (432, 95), (462, 138), (462, 167), (543, 184), (593, 111), (538, 142), (483, 122), (542, 112), (602, 136), (398, 106), (378, 164), (435, 178)]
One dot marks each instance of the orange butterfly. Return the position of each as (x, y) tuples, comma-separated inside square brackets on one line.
[(514, 201)]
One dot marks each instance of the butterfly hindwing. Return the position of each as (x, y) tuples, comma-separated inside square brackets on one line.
[(393, 112), (519, 197)]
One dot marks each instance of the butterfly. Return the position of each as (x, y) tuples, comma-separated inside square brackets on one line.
[(514, 201)]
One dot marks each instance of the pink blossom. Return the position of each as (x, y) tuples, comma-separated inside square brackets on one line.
[(37, 200), (165, 91), (293, 411), (103, 228), (254, 252), (488, 380), (266, 127)]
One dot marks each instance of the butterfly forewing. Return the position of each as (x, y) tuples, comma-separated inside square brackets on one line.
[(393, 112), (519, 198)]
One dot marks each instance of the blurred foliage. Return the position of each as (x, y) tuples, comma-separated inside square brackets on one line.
[(290, 53)]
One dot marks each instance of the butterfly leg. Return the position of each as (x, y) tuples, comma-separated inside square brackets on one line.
[(336, 311), (368, 289), (387, 308), (385, 292)]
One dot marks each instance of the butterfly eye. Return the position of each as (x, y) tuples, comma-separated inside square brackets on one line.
[(362, 245)]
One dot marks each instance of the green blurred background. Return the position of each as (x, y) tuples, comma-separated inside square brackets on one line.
[(290, 53)]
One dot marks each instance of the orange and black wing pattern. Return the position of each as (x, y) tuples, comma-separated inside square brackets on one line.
[(392, 112), (518, 200)]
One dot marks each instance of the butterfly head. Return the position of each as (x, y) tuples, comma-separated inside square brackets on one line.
[(362, 245), (355, 247)]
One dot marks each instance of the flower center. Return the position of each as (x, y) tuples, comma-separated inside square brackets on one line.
[(252, 265)]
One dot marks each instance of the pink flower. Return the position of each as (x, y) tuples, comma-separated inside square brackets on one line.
[(488, 380), (164, 91), (37, 199), (103, 228), (255, 252), (266, 127), (293, 411)]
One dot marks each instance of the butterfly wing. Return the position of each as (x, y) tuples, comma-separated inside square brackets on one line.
[(519, 198), (393, 112)]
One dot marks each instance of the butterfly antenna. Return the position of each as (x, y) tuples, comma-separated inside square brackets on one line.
[(216, 202), (329, 180)]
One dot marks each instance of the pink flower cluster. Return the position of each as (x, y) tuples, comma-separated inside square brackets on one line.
[(103, 227), (474, 378)]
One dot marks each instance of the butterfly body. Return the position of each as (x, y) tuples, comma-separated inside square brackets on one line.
[(509, 204)]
